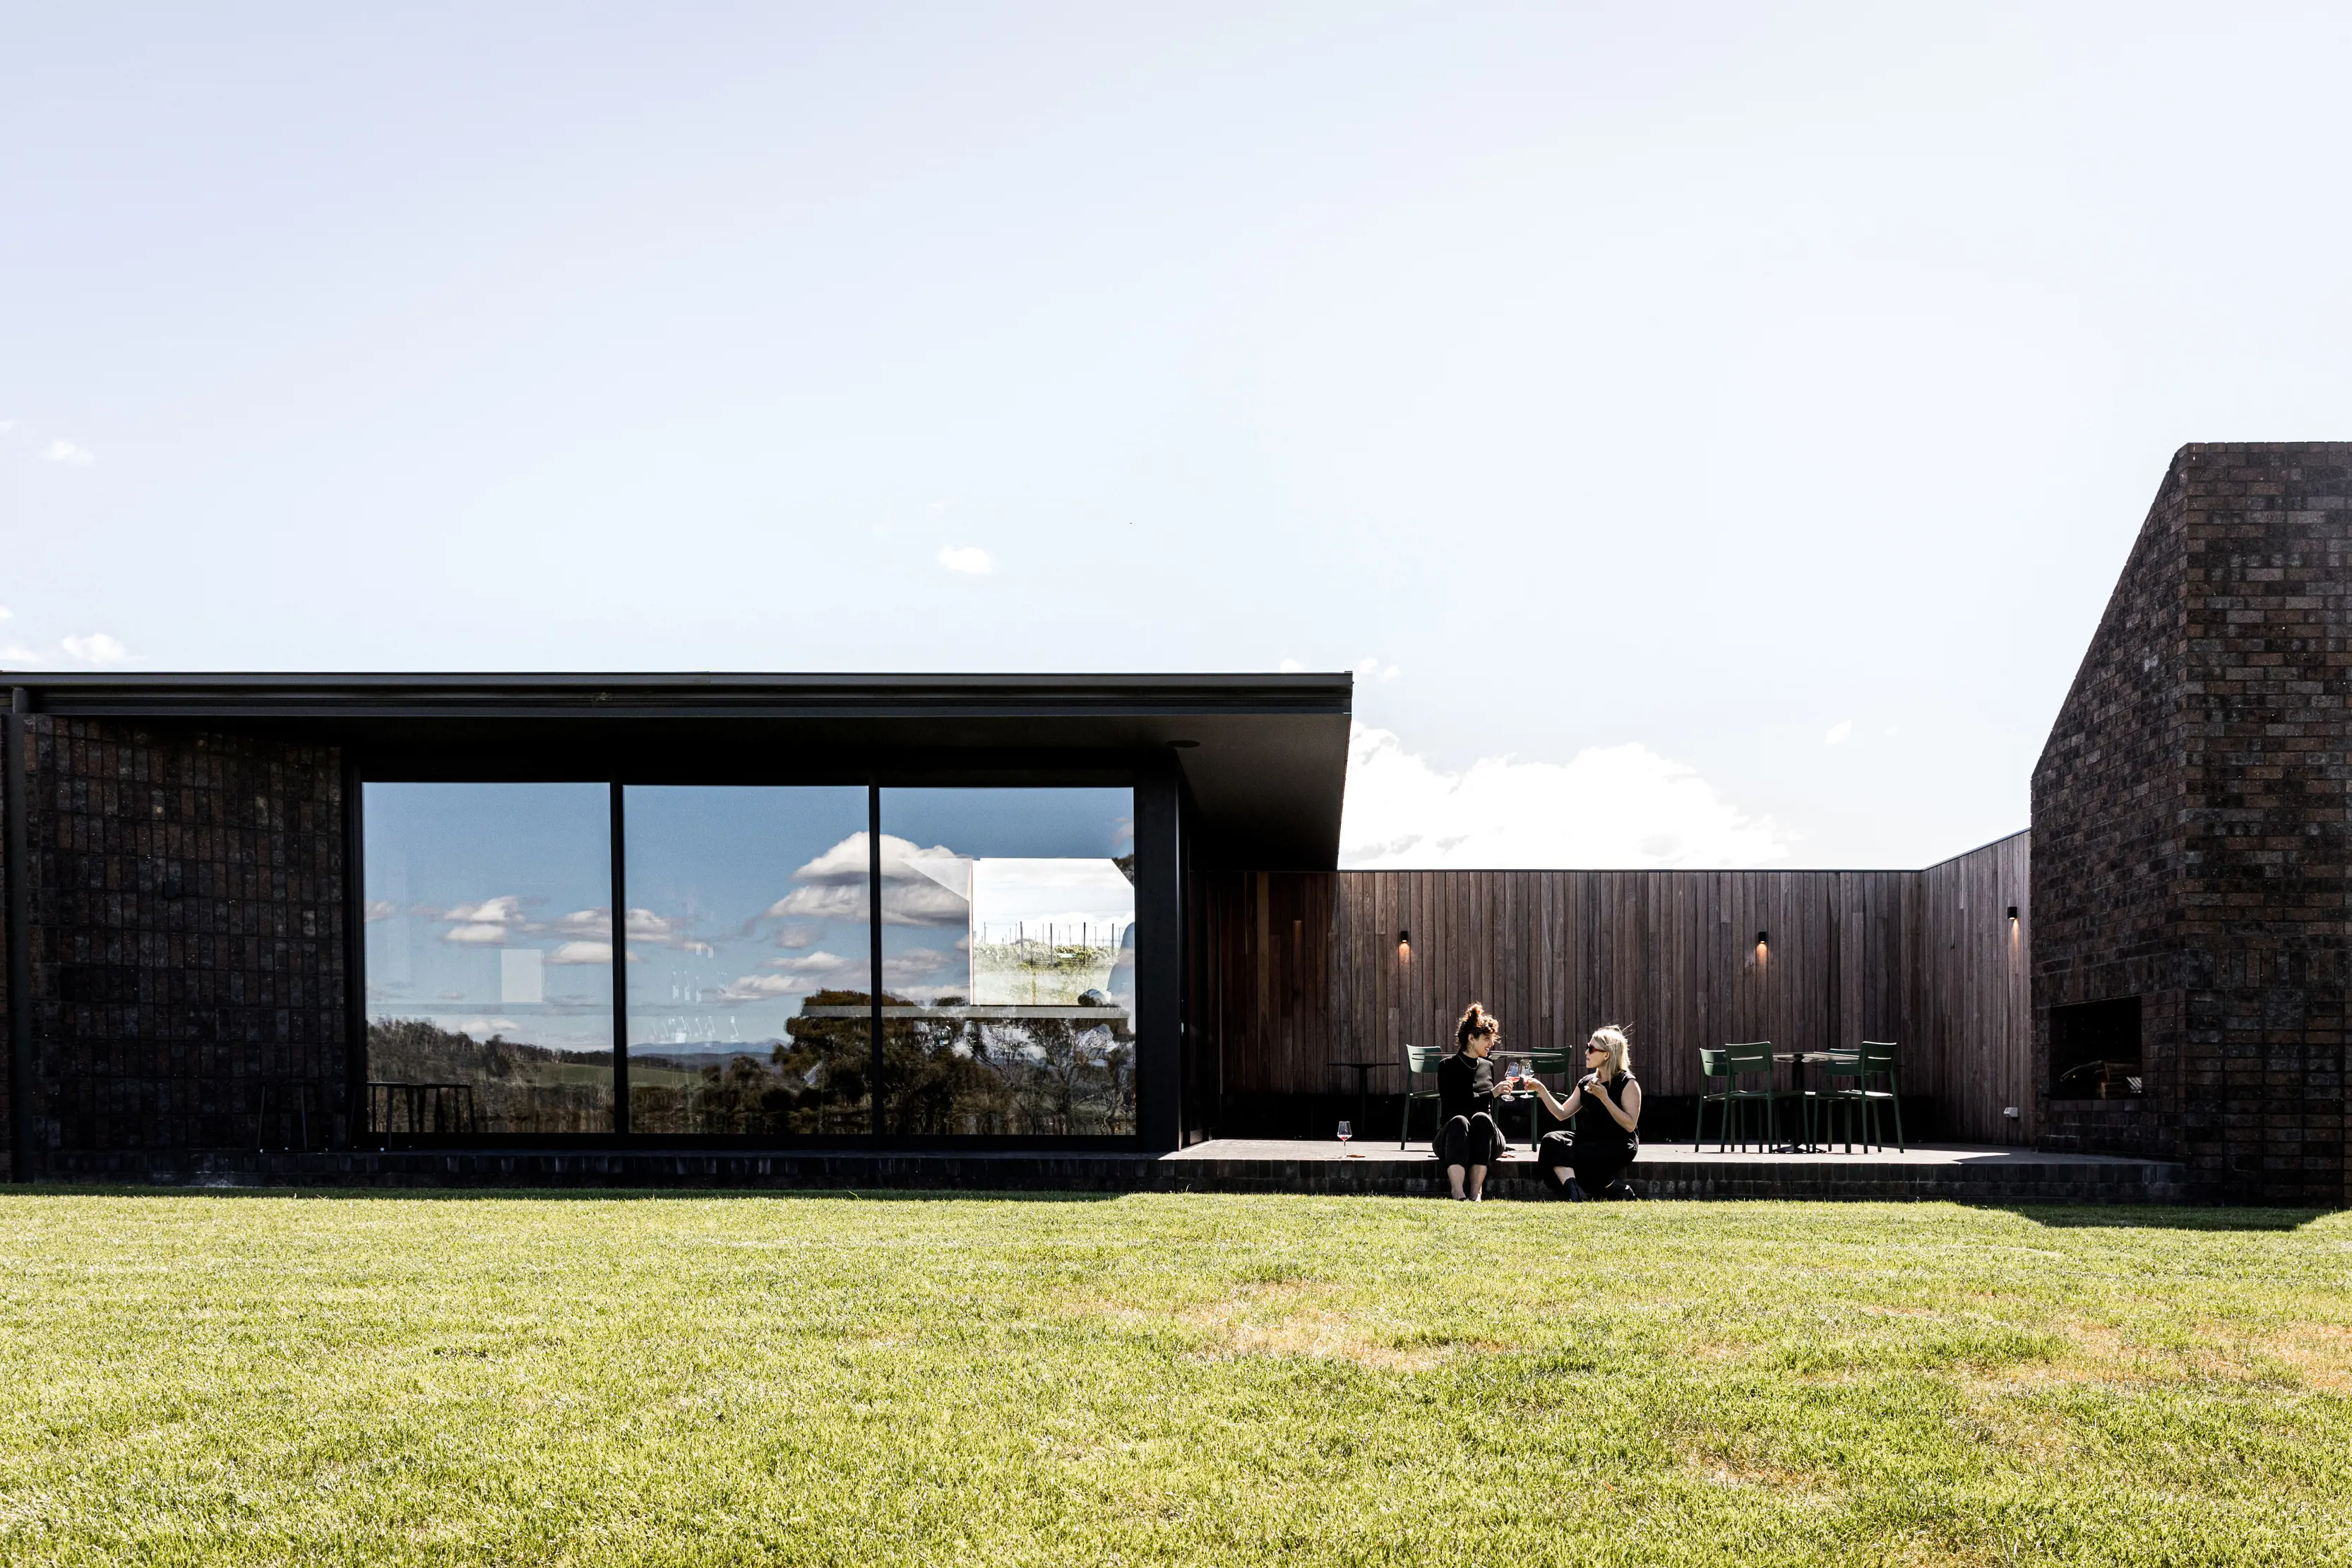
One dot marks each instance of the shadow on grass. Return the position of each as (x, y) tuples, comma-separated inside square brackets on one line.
[(2159, 1217), (551, 1195)]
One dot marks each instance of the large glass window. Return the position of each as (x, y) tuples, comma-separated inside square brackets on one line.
[(1008, 968), (750, 959), (489, 958)]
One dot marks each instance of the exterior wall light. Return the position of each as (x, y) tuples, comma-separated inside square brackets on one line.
[(1405, 943), (1761, 939), (2012, 915)]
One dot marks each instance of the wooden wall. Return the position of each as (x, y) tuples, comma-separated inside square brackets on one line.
[(1299, 970)]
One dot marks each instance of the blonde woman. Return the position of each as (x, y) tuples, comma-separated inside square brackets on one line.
[(1605, 1107)]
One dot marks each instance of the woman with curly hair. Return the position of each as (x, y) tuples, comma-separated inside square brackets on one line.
[(1469, 1139)]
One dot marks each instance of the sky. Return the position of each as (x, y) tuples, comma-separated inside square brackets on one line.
[(1710, 431)]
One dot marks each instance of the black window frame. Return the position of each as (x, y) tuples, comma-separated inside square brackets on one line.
[(1157, 1079)]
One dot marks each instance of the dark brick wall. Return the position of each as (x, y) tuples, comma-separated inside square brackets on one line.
[(2190, 838), (2107, 840), (187, 938)]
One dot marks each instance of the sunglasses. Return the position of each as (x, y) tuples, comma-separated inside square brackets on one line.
[(1591, 1049)]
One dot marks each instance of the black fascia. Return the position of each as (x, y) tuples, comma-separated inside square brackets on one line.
[(1263, 758)]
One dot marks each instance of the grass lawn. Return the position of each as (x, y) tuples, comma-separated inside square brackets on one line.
[(239, 1378)]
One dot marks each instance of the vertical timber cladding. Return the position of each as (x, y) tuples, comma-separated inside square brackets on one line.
[(1314, 971), (187, 939), (2189, 815)]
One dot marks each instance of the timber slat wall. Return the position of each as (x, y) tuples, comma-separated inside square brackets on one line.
[(1301, 970)]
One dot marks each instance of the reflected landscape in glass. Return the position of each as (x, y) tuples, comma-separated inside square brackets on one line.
[(489, 958), (750, 960), (1008, 969)]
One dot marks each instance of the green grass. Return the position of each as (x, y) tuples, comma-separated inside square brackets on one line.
[(1166, 1379)]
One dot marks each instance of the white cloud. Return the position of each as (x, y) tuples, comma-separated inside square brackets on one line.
[(1609, 807), (381, 909), (784, 976), (1370, 669), (6, 613), (581, 953), (16, 654), (490, 922), (969, 558), (68, 453), (1838, 732), (503, 910), (482, 1028), (920, 886), (1292, 667), (98, 648)]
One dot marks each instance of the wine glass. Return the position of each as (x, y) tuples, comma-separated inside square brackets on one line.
[(1345, 1132)]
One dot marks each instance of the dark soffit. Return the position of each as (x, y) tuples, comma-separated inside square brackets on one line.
[(1266, 771)]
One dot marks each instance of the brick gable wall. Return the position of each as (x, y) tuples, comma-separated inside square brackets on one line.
[(2190, 835)]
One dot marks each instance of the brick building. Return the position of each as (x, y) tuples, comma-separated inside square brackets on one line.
[(2190, 837)]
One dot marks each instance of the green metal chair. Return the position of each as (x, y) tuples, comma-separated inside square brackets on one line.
[(1858, 1101), (1731, 1063), (1419, 1061), (1547, 1060)]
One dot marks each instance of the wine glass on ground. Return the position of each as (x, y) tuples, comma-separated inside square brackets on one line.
[(1345, 1132)]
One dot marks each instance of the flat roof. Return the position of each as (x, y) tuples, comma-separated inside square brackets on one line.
[(1263, 756)]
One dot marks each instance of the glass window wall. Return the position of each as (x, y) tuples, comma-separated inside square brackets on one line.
[(1008, 961), (1007, 978), (489, 958), (750, 960)]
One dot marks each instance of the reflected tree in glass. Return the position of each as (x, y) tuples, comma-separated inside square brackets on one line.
[(1008, 930), (489, 958), (750, 960)]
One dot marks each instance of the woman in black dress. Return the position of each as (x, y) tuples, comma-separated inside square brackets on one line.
[(1606, 1108), (1469, 1140)]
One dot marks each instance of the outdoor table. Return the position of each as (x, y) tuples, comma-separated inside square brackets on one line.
[(1363, 1087), (1798, 1061)]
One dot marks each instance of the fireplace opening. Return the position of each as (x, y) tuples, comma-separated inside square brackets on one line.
[(2095, 1051)]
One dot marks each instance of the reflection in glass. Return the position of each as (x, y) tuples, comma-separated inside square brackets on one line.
[(1008, 961), (489, 958), (750, 960)]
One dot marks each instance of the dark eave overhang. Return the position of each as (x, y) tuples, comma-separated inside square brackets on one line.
[(1264, 756)]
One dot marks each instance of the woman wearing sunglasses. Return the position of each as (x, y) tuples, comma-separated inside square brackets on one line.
[(1605, 1107)]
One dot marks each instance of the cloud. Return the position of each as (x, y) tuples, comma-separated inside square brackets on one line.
[(583, 953), (967, 559), (1609, 807), (920, 886), (98, 648), (490, 922), (1838, 732), (784, 976), (65, 452), (1292, 667), (504, 909), (1369, 669), (482, 1028), (379, 909)]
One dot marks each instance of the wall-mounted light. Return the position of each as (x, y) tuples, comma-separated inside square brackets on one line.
[(1761, 939), (2012, 915), (1405, 943)]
